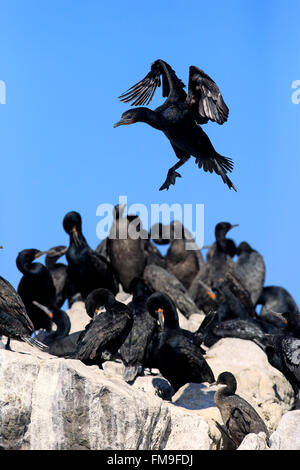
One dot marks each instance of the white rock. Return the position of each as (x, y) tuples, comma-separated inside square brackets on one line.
[(78, 317), (287, 434), (254, 442)]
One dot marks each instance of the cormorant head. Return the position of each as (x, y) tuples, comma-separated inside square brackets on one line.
[(54, 254), (131, 116), (222, 228), (227, 378), (162, 308), (72, 225), (26, 257), (98, 301)]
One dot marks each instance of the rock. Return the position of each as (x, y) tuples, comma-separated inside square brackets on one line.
[(254, 442), (51, 403), (287, 435), (192, 323), (263, 386), (161, 280)]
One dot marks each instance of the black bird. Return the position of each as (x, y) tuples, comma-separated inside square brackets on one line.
[(87, 270), (59, 273), (277, 299), (214, 270), (126, 253), (62, 322), (250, 269), (180, 116), (179, 360), (36, 285), (105, 334), (238, 416), (14, 321), (183, 258), (133, 350)]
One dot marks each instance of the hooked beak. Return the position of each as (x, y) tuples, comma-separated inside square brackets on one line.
[(76, 236), (279, 315), (43, 308), (123, 122), (234, 225)]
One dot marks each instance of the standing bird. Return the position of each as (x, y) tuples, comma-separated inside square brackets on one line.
[(36, 285), (14, 321), (180, 116), (238, 416), (250, 269), (87, 270), (126, 253), (133, 350), (183, 258), (105, 334), (179, 360)]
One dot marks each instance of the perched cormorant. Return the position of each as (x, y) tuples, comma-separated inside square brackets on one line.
[(250, 269), (36, 284), (179, 360), (14, 321), (127, 255), (59, 273), (277, 299), (181, 260), (238, 416), (180, 116), (87, 270), (134, 348), (105, 334)]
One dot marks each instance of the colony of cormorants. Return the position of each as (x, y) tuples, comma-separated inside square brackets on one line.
[(145, 333)]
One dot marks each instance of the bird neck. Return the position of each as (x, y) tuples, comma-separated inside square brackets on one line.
[(151, 117), (28, 267), (63, 323)]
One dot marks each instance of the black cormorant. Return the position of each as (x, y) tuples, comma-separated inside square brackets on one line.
[(238, 416), (134, 348), (250, 269), (62, 322), (14, 321), (179, 360), (105, 334), (277, 299), (87, 270), (180, 116), (59, 273), (36, 284)]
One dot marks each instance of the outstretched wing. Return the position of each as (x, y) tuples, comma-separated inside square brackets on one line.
[(205, 98), (143, 92)]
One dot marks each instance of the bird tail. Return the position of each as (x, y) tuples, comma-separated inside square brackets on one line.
[(34, 342), (220, 165)]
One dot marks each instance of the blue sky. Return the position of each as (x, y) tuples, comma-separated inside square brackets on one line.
[(64, 64)]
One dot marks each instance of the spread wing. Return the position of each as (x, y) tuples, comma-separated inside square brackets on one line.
[(205, 98), (143, 91)]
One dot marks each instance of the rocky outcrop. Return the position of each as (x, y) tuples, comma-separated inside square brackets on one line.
[(287, 434), (55, 403)]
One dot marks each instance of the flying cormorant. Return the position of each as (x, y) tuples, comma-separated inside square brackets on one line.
[(180, 116)]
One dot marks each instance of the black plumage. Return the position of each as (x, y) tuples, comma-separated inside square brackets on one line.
[(62, 322), (180, 116), (87, 270), (277, 299), (238, 416), (14, 321), (126, 252), (133, 350), (250, 269), (36, 285), (179, 360), (105, 334)]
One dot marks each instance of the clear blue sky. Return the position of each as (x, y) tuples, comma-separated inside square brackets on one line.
[(64, 64)]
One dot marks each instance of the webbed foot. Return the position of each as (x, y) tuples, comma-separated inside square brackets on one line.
[(171, 178)]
